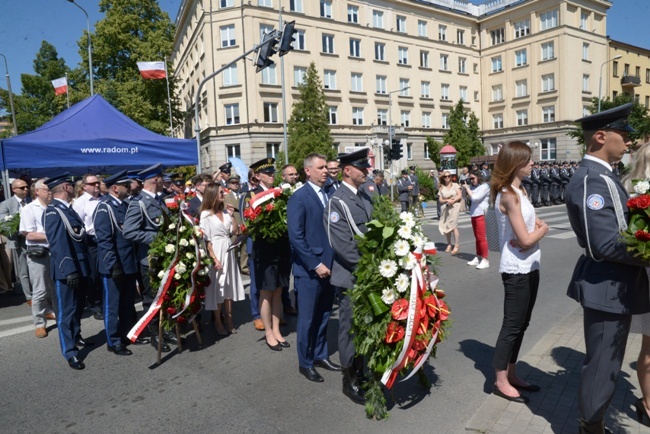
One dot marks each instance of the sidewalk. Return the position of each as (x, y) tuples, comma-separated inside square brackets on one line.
[(555, 363)]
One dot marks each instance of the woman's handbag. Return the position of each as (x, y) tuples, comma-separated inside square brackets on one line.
[(492, 229), (36, 251)]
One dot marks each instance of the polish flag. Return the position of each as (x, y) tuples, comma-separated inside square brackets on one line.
[(60, 85), (152, 70)]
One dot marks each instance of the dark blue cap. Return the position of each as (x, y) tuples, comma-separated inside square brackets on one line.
[(151, 171), (612, 119), (58, 180), (266, 165), (121, 177), (134, 174), (358, 159)]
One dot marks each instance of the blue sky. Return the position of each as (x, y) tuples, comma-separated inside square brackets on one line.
[(24, 24)]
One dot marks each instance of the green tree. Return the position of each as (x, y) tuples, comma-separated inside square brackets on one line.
[(308, 127), (639, 119), (463, 134)]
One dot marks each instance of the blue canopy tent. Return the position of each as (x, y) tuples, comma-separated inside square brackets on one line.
[(92, 136)]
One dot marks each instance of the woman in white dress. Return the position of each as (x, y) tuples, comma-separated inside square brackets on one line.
[(225, 280)]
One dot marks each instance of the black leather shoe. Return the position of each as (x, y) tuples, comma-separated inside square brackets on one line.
[(138, 341), (327, 364), (527, 388), (284, 344), (276, 347), (311, 374), (351, 386), (81, 342), (119, 350), (154, 343), (170, 338), (75, 363), (98, 315), (520, 399)]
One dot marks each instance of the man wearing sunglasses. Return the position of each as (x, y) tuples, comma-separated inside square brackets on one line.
[(16, 242)]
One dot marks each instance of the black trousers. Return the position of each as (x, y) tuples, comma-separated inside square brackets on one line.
[(94, 288), (520, 295), (534, 194)]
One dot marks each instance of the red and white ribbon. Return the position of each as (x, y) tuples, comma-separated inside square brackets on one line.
[(264, 196)]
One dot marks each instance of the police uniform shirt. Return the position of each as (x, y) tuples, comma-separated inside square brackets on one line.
[(142, 222), (31, 220)]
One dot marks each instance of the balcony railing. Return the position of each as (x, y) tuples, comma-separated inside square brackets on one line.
[(630, 81), (383, 129)]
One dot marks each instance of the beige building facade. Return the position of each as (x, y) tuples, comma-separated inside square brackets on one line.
[(630, 73), (526, 68)]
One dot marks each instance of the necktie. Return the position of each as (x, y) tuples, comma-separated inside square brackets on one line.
[(22, 203), (323, 197)]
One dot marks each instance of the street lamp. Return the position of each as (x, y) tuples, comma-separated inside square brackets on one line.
[(11, 98), (90, 54), (391, 132), (600, 79)]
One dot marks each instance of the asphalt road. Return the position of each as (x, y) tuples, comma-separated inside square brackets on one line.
[(237, 385)]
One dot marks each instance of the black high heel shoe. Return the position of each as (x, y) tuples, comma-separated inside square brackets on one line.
[(276, 347), (641, 412)]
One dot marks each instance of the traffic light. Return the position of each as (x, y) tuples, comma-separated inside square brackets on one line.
[(286, 42), (266, 51), (396, 150)]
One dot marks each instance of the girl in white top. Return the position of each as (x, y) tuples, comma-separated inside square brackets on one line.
[(479, 193), (519, 231)]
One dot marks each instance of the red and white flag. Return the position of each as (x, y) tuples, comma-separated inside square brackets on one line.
[(152, 70), (60, 85)]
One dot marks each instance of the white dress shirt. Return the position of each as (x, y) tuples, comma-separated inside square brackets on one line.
[(31, 220)]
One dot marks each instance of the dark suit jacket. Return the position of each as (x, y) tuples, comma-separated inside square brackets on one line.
[(194, 205), (309, 243)]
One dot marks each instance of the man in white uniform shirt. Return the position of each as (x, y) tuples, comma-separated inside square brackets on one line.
[(85, 206), (38, 257)]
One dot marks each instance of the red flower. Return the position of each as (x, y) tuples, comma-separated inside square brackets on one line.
[(444, 310), (432, 307), (171, 310), (269, 207), (439, 293), (643, 201), (400, 309), (631, 203), (394, 332), (166, 297), (424, 325), (642, 235), (181, 319), (420, 345), (411, 354), (242, 228)]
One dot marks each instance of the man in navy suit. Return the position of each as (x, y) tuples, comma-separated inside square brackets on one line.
[(194, 204), (312, 259)]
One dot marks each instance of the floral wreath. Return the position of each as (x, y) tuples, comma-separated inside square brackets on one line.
[(637, 234), (266, 213)]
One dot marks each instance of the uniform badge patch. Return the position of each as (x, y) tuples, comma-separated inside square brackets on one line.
[(595, 202), (371, 187), (334, 217)]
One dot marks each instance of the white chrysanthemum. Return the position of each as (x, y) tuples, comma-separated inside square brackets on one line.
[(177, 276), (169, 248), (407, 218), (297, 186), (405, 232), (189, 255), (192, 242), (202, 252), (181, 268), (194, 264), (401, 247), (203, 271), (161, 274), (418, 240), (171, 226), (183, 242), (408, 262), (7, 218), (642, 187), (387, 268), (402, 282), (388, 296), (285, 186), (198, 231)]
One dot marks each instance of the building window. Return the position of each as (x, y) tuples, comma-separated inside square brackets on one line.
[(548, 20), (424, 59), (355, 47), (265, 3), (548, 114), (548, 149), (497, 36), (520, 57), (548, 51), (232, 114), (497, 120), (230, 76), (626, 70), (353, 14), (462, 92), (356, 82), (401, 24), (638, 72), (226, 4), (426, 120), (269, 76), (584, 17), (522, 117), (405, 118), (402, 55), (425, 89), (460, 37), (462, 65), (615, 68), (409, 151), (326, 8), (328, 44), (377, 19), (445, 120), (497, 65), (585, 111), (272, 149), (270, 112), (380, 51), (497, 93), (357, 115), (296, 6), (382, 117), (381, 84), (494, 148), (647, 75), (444, 62), (585, 51), (426, 151), (647, 102), (636, 98), (585, 83), (299, 75), (332, 115), (521, 88), (442, 32), (548, 82), (233, 151), (228, 36), (299, 40), (476, 95), (522, 28), (422, 28), (329, 79), (444, 92), (404, 85)]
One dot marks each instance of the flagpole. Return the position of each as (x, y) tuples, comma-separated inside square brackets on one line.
[(169, 101), (67, 89)]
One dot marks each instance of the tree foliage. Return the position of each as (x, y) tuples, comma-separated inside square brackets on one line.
[(639, 119), (463, 134), (308, 127)]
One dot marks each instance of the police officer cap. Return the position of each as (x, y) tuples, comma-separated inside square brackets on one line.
[(265, 165), (151, 171), (405, 172), (358, 159), (612, 119), (573, 162), (58, 180), (234, 176), (134, 174), (412, 167), (485, 163), (121, 177), (544, 163), (167, 178), (225, 168)]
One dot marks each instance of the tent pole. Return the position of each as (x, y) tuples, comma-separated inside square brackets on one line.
[(169, 102)]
